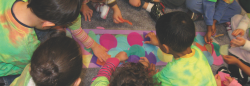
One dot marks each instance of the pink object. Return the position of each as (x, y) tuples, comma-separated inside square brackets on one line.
[(108, 41), (218, 60), (135, 38), (223, 77), (100, 28)]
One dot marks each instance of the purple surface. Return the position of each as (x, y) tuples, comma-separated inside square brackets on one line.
[(93, 60), (133, 58), (151, 57), (145, 39)]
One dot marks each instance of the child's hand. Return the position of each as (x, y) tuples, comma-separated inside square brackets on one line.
[(100, 52), (153, 39), (152, 70), (117, 15), (122, 56), (207, 37), (217, 79), (87, 12), (239, 41), (238, 32), (228, 81), (231, 59), (144, 61)]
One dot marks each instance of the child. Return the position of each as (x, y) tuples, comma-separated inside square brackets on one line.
[(56, 62), (103, 9), (130, 74), (18, 38), (214, 11), (175, 35)]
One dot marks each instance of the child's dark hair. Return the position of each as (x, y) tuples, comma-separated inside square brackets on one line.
[(60, 12), (176, 30), (132, 74), (56, 62)]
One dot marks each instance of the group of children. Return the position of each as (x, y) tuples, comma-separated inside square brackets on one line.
[(58, 60)]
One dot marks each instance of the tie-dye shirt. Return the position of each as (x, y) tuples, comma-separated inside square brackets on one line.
[(190, 70), (18, 41)]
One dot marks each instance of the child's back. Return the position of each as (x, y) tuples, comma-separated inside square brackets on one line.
[(176, 32)]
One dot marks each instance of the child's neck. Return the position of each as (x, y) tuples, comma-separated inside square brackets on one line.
[(179, 55), (24, 14)]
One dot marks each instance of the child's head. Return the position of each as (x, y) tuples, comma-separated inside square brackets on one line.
[(57, 62), (132, 74), (55, 12), (175, 31)]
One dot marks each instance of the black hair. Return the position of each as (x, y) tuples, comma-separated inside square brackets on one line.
[(60, 12), (176, 30), (132, 74), (56, 62)]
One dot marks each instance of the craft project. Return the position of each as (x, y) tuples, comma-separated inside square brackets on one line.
[(199, 39), (151, 57), (218, 60), (133, 58), (114, 51), (86, 59), (209, 57), (216, 48), (108, 41), (224, 49), (209, 48), (137, 50), (122, 42), (98, 39), (135, 38), (202, 48)]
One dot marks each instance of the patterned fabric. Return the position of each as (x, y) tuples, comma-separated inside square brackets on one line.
[(190, 70), (104, 74), (18, 41), (24, 79)]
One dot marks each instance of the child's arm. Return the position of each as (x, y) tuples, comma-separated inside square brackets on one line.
[(234, 61), (104, 74), (117, 14), (88, 42), (153, 39), (242, 27)]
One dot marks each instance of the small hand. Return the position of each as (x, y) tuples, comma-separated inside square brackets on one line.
[(217, 79), (152, 70), (231, 59), (239, 41), (207, 37), (237, 32), (144, 61), (87, 12), (100, 52), (117, 15), (228, 81), (122, 56), (153, 39)]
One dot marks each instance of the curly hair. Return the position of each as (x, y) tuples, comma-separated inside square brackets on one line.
[(132, 74)]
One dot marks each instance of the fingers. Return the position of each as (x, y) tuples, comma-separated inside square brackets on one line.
[(236, 42), (147, 42), (235, 33), (85, 17), (229, 78), (206, 39), (149, 34), (157, 70)]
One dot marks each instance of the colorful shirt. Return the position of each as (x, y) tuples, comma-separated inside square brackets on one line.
[(24, 79), (18, 41), (104, 74), (190, 70)]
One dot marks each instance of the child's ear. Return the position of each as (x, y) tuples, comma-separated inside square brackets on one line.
[(48, 24), (77, 82), (166, 48)]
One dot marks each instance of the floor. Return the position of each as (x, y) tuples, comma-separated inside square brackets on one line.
[(141, 21)]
